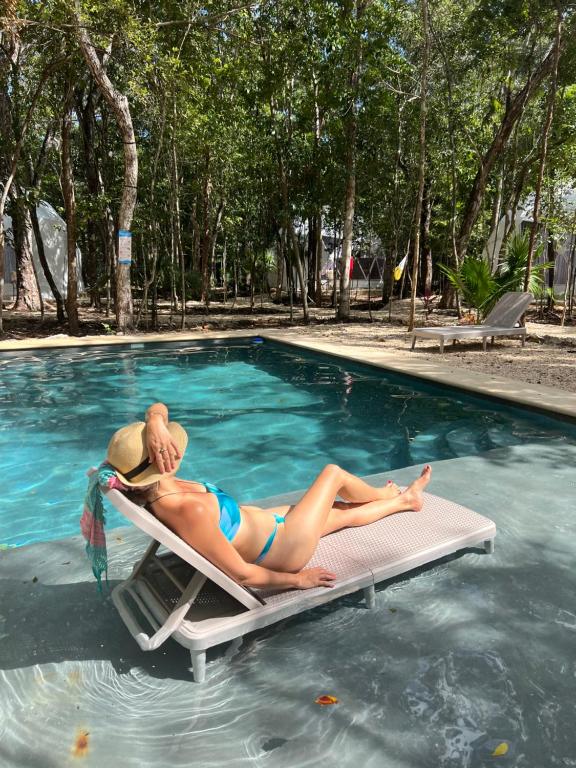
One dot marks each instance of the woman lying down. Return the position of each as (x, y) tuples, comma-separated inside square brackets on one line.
[(263, 548)]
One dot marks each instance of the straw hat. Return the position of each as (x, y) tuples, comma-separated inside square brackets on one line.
[(128, 454)]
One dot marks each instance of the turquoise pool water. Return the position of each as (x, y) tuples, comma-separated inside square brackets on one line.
[(262, 419), (467, 664)]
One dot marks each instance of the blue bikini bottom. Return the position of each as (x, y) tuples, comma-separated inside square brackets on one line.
[(279, 519)]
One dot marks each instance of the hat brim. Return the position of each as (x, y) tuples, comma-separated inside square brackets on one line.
[(152, 473)]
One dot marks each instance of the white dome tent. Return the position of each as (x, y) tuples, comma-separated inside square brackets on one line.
[(53, 232)]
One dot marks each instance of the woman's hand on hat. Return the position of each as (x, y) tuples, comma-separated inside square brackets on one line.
[(161, 447)]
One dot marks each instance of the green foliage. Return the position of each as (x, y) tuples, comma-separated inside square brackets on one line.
[(474, 282), (480, 289), (511, 272), (224, 97)]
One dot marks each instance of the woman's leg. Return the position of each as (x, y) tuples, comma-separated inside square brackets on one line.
[(315, 514), (358, 491)]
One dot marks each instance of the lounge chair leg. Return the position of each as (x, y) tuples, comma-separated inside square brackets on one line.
[(234, 647), (523, 340), (489, 546), (441, 346), (198, 665), (370, 596), (484, 343), (413, 342)]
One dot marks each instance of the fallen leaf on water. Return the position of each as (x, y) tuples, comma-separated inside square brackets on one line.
[(80, 748), (325, 700), (500, 750)]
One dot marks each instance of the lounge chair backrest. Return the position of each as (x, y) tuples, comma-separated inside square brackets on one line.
[(508, 310), (158, 531)]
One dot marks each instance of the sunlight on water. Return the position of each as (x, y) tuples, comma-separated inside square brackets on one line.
[(261, 420)]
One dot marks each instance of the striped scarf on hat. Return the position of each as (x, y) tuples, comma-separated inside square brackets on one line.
[(93, 520)]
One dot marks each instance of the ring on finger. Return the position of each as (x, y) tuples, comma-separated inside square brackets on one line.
[(161, 450)]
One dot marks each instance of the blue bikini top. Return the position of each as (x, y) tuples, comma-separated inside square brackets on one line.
[(230, 517)]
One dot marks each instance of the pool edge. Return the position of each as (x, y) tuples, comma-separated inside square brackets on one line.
[(535, 397)]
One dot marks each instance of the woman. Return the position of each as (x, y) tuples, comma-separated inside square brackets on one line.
[(264, 548)]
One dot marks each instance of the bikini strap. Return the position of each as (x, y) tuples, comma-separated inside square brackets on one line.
[(171, 493), (208, 486)]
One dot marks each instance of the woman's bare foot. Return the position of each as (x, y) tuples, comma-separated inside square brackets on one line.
[(390, 490), (412, 496)]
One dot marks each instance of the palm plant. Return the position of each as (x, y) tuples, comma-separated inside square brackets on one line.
[(474, 282), (511, 272), (480, 289)]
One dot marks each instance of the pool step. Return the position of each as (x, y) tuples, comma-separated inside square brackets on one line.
[(463, 441), (423, 448), (502, 437)]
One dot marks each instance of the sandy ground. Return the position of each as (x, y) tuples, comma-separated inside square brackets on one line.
[(548, 358), (543, 360)]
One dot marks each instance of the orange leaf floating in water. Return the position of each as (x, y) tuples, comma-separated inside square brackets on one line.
[(325, 700), (80, 748), (500, 750)]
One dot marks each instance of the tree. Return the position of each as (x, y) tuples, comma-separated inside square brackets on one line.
[(119, 105), (421, 162)]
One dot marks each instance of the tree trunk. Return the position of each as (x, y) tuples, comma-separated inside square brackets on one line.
[(551, 257), (569, 289), (36, 171), (214, 238), (294, 244), (205, 249), (348, 229), (68, 193), (421, 162), (495, 218), (318, 242), (176, 229), (311, 256), (544, 150), (514, 111), (318, 253), (224, 269), (353, 12), (426, 245), (118, 103), (153, 228), (44, 263), (27, 290)]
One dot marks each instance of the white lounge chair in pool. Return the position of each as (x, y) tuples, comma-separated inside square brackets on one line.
[(500, 321), (182, 595)]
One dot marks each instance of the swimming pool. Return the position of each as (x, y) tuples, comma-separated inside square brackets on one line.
[(262, 419), (467, 664)]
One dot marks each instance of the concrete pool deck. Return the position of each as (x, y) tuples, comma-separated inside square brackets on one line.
[(534, 396)]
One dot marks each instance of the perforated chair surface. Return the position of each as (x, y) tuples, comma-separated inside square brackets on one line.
[(182, 595)]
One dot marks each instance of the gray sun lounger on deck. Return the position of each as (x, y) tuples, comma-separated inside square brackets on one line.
[(500, 321), (182, 595)]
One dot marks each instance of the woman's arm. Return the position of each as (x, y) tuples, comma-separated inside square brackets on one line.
[(257, 576), (161, 447)]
